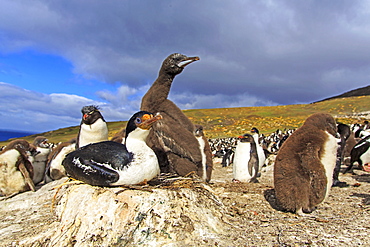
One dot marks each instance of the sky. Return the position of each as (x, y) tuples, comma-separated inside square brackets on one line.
[(58, 56)]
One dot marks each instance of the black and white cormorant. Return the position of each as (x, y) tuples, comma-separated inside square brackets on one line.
[(110, 163)]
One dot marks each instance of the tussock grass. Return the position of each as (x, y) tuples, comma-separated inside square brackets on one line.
[(229, 122)]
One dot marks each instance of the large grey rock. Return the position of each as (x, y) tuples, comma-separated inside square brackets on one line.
[(180, 214)]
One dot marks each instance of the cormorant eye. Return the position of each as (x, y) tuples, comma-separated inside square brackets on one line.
[(138, 120)]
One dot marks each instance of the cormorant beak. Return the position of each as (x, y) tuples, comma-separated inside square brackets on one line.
[(148, 120), (187, 61)]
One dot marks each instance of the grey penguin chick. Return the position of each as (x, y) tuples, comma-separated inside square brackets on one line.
[(16, 170), (303, 171), (40, 160)]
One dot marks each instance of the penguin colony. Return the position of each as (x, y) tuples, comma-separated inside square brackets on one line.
[(307, 162)]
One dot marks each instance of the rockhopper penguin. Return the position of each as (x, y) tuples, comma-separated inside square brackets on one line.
[(93, 127)]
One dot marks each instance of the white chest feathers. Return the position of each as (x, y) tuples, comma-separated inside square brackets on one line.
[(57, 170), (96, 132), (241, 162), (365, 157), (11, 179), (328, 160), (143, 167), (202, 145), (260, 152)]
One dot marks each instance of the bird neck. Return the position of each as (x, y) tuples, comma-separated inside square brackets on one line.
[(136, 136), (160, 89)]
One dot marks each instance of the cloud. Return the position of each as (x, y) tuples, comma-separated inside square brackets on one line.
[(252, 52), (201, 101), (36, 112)]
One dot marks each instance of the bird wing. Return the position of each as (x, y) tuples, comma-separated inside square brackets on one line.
[(97, 163), (180, 142), (22, 168)]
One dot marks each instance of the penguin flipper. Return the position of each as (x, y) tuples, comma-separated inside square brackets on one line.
[(89, 171), (22, 168)]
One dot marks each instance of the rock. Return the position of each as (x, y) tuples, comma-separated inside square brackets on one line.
[(183, 212), (27, 214), (180, 214)]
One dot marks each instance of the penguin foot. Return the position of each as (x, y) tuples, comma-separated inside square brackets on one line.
[(366, 167), (305, 212), (235, 180), (337, 183), (145, 182)]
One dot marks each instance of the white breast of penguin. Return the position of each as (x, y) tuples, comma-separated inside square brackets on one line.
[(241, 160), (144, 165), (328, 159), (201, 147), (365, 157), (11, 179), (96, 132), (57, 170)]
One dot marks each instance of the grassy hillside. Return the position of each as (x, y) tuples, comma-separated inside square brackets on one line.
[(228, 122)]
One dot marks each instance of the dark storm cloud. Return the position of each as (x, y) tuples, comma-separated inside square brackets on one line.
[(278, 52)]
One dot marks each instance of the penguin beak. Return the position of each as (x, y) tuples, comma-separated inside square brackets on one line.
[(148, 120), (187, 61)]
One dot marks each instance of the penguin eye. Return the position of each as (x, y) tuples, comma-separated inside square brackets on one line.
[(138, 120)]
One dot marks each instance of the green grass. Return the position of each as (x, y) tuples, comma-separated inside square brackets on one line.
[(228, 122)]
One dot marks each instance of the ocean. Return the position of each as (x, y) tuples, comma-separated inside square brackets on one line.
[(7, 134)]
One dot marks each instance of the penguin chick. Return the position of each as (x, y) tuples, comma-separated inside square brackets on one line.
[(260, 151), (54, 168), (304, 165), (246, 163), (93, 127), (40, 160), (205, 149), (344, 132), (173, 138), (112, 164), (16, 169)]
